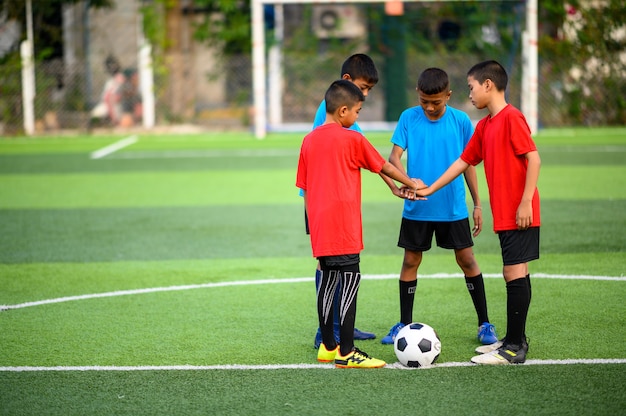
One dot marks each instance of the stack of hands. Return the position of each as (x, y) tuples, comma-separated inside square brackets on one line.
[(418, 192)]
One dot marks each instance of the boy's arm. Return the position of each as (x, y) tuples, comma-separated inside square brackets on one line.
[(472, 184), (524, 216), (395, 157), (390, 183), (393, 172), (456, 168)]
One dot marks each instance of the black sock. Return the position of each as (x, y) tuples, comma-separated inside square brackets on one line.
[(325, 308), (518, 301), (407, 296), (476, 287), (530, 289)]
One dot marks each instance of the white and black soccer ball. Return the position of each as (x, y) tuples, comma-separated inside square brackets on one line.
[(417, 345)]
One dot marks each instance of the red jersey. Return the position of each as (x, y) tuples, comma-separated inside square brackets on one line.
[(501, 143), (329, 171)]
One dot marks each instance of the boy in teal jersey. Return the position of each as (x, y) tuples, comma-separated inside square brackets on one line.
[(434, 135)]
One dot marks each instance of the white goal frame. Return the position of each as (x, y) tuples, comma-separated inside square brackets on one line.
[(530, 62)]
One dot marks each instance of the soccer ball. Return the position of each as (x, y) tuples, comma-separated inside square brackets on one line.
[(417, 345)]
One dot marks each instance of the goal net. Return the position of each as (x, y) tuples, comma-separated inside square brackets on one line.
[(299, 46)]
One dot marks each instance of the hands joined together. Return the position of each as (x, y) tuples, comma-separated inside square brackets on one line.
[(416, 193)]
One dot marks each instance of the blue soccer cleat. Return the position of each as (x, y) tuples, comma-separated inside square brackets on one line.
[(363, 335), (358, 335), (487, 334), (393, 332)]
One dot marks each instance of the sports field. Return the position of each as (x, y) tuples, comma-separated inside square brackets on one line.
[(170, 274)]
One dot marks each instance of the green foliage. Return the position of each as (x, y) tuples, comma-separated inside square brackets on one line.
[(583, 44), (226, 24), (10, 87)]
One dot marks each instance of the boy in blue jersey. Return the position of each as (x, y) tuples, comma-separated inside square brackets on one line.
[(360, 69), (434, 135)]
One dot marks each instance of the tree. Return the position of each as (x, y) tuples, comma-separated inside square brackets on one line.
[(46, 21), (226, 24), (585, 42)]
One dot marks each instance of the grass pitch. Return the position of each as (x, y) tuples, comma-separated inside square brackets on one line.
[(173, 276)]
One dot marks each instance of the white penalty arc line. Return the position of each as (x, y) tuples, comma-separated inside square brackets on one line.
[(230, 367), (112, 148), (274, 281)]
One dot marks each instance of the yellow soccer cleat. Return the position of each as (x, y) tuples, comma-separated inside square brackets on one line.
[(326, 356), (357, 359)]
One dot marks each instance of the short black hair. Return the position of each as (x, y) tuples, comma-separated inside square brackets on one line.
[(433, 81), (360, 66), (342, 92), (490, 70)]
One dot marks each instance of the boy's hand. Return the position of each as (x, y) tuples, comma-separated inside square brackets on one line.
[(478, 221), (419, 184), (397, 192), (409, 193), (524, 215)]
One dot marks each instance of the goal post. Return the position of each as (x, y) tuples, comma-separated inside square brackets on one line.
[(530, 70)]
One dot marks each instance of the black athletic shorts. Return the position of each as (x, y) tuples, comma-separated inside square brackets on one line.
[(306, 222), (519, 246), (418, 235), (339, 261)]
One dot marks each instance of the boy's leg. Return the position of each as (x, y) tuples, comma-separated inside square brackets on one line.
[(474, 282), (358, 334), (517, 304), (457, 235), (407, 286), (518, 248), (318, 334), (349, 356), (415, 237), (329, 278), (350, 281)]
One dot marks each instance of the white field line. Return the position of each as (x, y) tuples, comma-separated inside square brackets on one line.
[(214, 153), (105, 151), (174, 154), (230, 367), (275, 281)]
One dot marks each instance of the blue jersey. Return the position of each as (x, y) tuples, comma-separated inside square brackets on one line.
[(431, 147), (320, 118)]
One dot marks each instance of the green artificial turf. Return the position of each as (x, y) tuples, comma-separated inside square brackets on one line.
[(210, 228)]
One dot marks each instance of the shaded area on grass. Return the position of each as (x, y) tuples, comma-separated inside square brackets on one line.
[(120, 234)]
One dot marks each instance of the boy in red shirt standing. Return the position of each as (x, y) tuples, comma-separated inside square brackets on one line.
[(503, 142), (329, 173)]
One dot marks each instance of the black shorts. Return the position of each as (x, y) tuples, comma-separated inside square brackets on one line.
[(332, 262), (418, 235), (519, 246), (306, 222)]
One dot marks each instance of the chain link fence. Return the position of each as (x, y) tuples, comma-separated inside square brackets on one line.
[(69, 96)]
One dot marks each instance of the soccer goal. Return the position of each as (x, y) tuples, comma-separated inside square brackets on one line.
[(335, 18)]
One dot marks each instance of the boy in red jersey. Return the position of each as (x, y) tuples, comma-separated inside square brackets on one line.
[(502, 140), (329, 173)]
